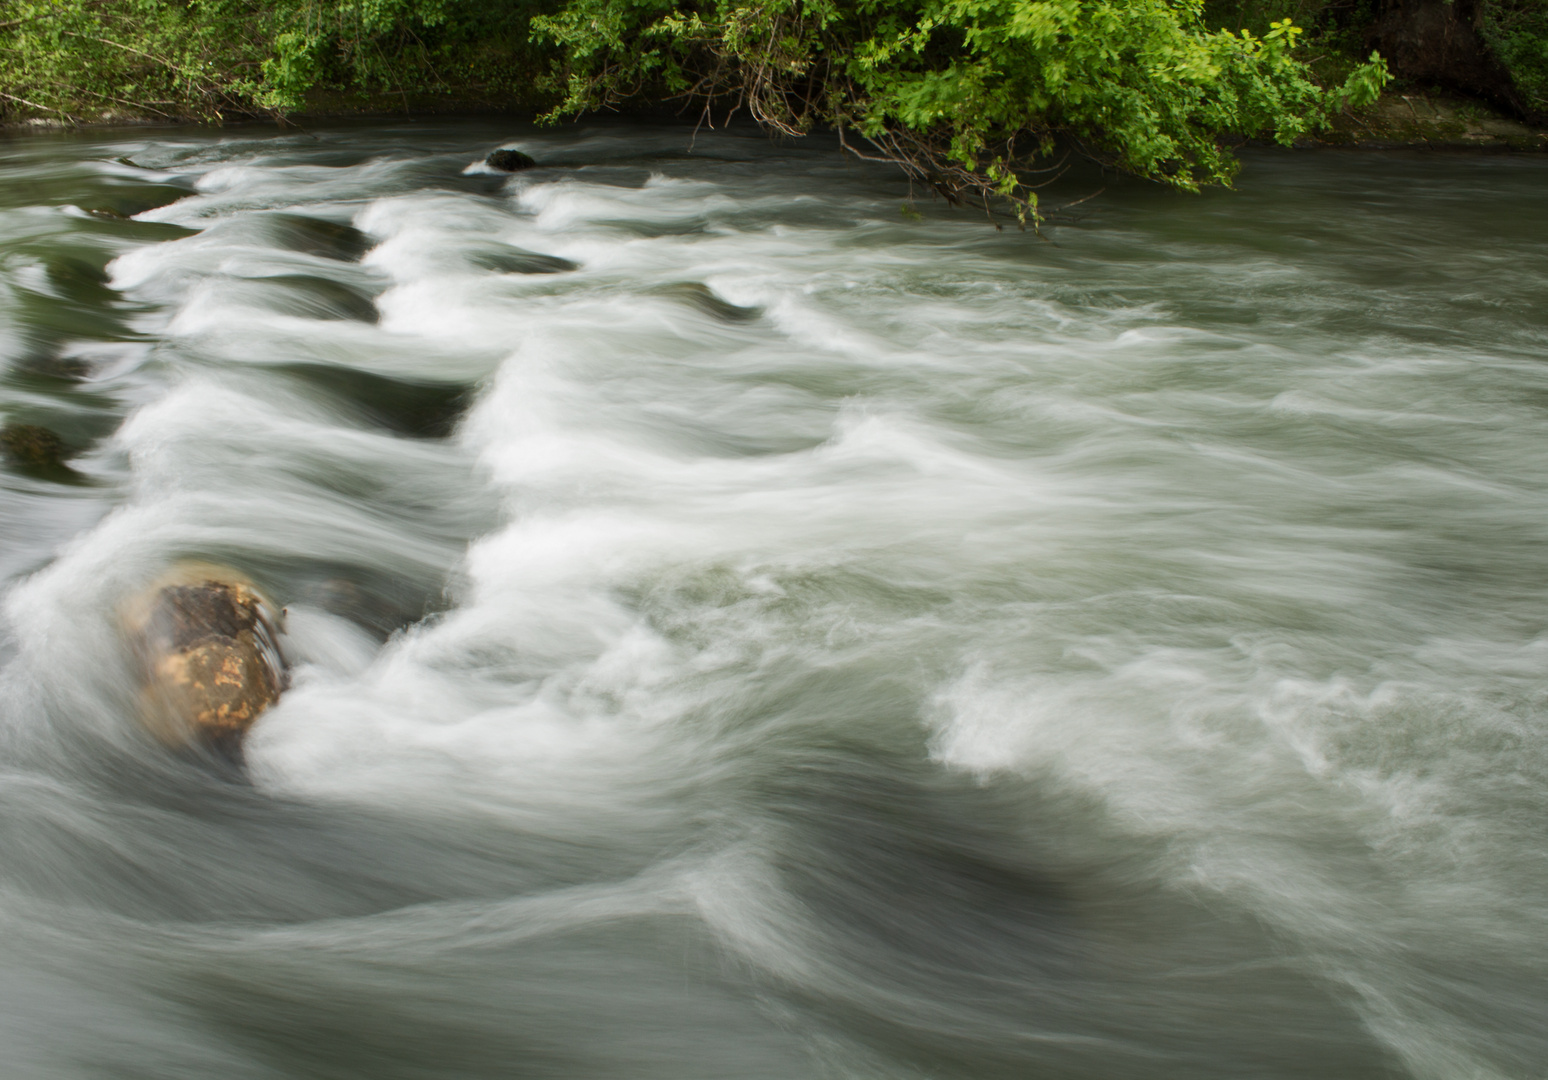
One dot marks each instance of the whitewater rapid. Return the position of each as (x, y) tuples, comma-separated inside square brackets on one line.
[(741, 631)]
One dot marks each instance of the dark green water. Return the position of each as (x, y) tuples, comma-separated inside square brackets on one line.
[(740, 633)]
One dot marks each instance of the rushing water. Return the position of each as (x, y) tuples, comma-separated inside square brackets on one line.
[(741, 632)]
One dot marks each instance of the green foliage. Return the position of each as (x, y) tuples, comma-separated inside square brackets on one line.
[(970, 97), (1335, 40), (1517, 32), (966, 95), (211, 58), (65, 56)]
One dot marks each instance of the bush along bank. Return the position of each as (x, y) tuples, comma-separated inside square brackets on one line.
[(970, 97), (210, 60), (974, 99)]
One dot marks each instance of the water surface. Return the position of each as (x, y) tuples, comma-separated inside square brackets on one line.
[(741, 632)]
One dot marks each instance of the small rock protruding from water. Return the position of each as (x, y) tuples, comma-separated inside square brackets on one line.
[(507, 160), (211, 662), (33, 447)]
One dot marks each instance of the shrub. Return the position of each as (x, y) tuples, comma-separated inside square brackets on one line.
[(967, 96)]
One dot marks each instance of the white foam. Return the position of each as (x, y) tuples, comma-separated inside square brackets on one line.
[(1085, 546)]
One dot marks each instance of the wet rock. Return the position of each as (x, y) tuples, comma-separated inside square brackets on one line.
[(34, 448), (507, 160), (211, 663)]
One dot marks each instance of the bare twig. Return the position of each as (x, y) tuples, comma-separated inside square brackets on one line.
[(35, 105), (137, 104), (127, 48), (1084, 198)]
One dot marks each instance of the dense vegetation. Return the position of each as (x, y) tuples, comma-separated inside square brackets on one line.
[(963, 94), (1517, 33), (971, 97), (209, 59)]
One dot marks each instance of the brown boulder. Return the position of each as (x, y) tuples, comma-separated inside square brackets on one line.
[(210, 659)]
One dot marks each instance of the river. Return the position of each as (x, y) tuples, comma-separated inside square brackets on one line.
[(742, 630)]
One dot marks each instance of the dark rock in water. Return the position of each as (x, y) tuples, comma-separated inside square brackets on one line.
[(32, 447), (211, 660), (508, 160), (37, 451)]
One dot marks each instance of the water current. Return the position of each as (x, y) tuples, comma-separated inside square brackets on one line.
[(740, 630)]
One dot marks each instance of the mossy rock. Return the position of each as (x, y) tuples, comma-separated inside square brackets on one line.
[(507, 160), (211, 663)]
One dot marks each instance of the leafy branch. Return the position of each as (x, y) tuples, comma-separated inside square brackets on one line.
[(968, 97)]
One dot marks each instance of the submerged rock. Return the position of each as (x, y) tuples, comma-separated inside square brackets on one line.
[(507, 160), (211, 662), (33, 447)]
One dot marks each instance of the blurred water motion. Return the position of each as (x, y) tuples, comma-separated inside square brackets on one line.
[(740, 632)]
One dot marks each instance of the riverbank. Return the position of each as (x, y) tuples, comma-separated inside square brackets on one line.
[(1411, 118), (1406, 119)]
